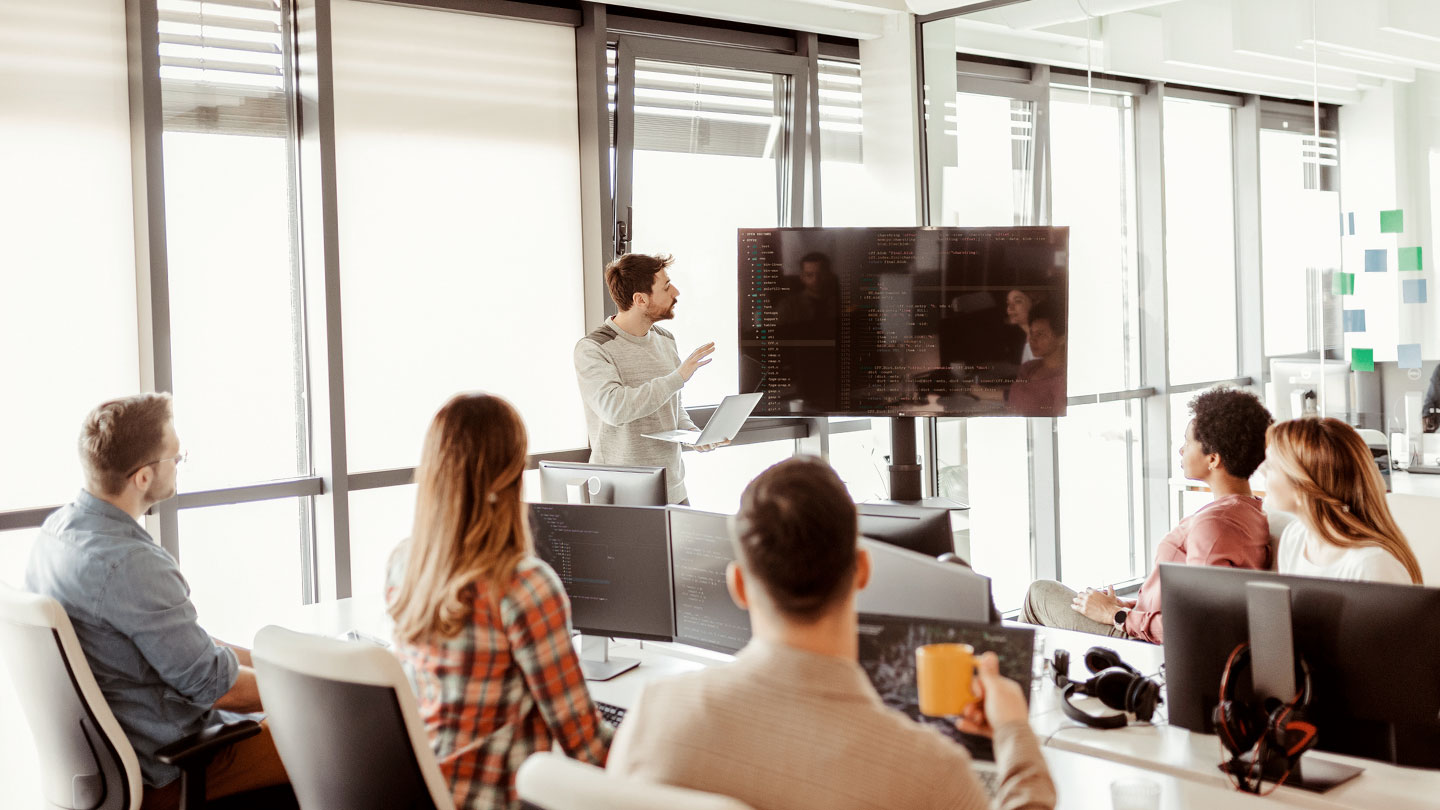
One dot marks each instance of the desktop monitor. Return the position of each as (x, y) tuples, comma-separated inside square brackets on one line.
[(574, 482), (920, 529), (907, 583), (700, 549), (887, 654), (1370, 648), (614, 562)]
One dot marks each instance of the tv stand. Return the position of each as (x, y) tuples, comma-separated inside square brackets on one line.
[(904, 478)]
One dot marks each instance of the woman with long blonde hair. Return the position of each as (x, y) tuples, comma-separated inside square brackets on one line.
[(481, 624), (1321, 471)]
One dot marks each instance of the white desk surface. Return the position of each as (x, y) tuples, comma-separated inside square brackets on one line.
[(1183, 762)]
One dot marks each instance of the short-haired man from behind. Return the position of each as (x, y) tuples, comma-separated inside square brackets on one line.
[(162, 675), (794, 723), (630, 373), (1224, 445)]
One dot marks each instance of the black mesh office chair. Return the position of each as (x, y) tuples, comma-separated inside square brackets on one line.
[(86, 761), (345, 722)]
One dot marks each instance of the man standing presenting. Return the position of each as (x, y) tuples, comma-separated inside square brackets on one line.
[(162, 675), (630, 372)]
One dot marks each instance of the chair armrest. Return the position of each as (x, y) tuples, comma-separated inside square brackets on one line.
[(206, 743)]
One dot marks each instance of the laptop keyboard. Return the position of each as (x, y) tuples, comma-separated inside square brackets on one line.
[(613, 714)]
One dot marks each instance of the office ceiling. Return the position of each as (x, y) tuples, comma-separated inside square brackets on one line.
[(1275, 47)]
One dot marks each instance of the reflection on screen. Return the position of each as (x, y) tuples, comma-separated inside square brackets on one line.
[(705, 615)]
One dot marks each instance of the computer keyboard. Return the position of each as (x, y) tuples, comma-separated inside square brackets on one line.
[(1423, 469), (613, 714)]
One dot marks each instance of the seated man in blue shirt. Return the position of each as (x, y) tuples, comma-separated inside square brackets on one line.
[(163, 676)]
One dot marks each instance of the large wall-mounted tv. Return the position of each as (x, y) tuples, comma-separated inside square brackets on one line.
[(904, 321)]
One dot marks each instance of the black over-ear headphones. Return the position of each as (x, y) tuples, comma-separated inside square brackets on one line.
[(1117, 684), (1275, 733)]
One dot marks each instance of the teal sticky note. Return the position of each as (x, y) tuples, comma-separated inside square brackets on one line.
[(1409, 355), (1413, 290), (1375, 260), (1342, 284), (1392, 221), (1410, 258), (1362, 359)]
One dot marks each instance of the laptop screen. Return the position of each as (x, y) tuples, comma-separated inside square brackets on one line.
[(887, 654)]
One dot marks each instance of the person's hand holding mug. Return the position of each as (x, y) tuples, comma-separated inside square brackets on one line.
[(1001, 700)]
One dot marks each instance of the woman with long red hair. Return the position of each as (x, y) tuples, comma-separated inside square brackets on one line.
[(1321, 471), (481, 624)]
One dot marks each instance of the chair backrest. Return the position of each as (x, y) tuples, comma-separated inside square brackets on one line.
[(345, 722), (86, 761), (1278, 521), (551, 781), (1417, 516)]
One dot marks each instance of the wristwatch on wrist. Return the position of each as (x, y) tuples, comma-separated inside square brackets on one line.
[(1120, 616)]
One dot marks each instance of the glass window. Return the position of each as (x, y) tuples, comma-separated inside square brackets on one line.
[(245, 564), (1297, 240), (1100, 502), (1200, 241), (716, 479), (862, 460), (842, 168), (379, 520), (992, 182), (457, 166), (14, 555), (235, 306), (1092, 141), (999, 494), (719, 130), (68, 339)]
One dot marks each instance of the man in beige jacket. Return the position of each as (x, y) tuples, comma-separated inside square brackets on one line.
[(793, 723)]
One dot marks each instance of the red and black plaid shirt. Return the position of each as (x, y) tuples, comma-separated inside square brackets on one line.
[(507, 686)]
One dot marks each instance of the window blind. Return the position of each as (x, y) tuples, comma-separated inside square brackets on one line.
[(221, 66)]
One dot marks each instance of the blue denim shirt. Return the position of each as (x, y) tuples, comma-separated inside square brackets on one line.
[(131, 609)]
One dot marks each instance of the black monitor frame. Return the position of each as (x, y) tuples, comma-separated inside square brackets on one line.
[(580, 617), (918, 528), (1370, 648), (627, 486)]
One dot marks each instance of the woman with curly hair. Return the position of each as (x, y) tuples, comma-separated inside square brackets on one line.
[(1321, 471), (1224, 445)]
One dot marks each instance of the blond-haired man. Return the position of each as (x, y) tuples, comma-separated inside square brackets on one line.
[(162, 675)]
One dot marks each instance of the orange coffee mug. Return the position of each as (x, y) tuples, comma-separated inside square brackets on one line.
[(944, 675)]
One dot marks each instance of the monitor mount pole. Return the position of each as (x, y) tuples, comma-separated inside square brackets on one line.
[(904, 471)]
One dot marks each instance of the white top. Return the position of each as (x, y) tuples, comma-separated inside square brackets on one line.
[(1363, 564)]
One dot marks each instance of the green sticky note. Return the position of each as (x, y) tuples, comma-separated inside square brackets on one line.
[(1342, 284), (1362, 359), (1410, 259), (1392, 221)]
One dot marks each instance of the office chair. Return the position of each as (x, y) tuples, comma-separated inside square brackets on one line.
[(86, 761), (551, 781), (344, 719)]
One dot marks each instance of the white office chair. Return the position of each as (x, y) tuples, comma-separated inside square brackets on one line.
[(86, 761), (551, 781), (344, 719)]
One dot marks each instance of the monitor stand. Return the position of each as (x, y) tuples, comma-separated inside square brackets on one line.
[(1272, 664), (596, 663)]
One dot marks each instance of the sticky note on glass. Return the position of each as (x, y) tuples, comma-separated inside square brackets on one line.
[(1362, 359), (1375, 261), (1409, 355), (1351, 217), (1392, 221), (1342, 284), (1410, 259), (1354, 320), (1413, 290)]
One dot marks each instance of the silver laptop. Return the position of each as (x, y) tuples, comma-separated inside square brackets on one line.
[(727, 420)]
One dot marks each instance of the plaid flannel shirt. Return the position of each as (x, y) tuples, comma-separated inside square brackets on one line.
[(507, 686)]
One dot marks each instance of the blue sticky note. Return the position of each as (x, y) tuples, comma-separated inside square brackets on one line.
[(1354, 320), (1409, 355), (1352, 223), (1375, 261), (1414, 291)]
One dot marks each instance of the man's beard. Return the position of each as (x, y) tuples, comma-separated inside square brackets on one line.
[(654, 313)]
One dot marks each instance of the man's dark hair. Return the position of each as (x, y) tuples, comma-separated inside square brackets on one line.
[(633, 273), (1232, 422), (797, 534), (1051, 314), (121, 436)]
